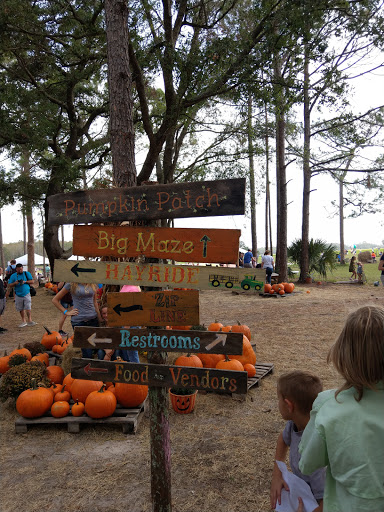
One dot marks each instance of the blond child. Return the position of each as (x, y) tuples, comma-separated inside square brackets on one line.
[(296, 392), (346, 429)]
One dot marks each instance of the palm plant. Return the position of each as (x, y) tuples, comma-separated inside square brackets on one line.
[(321, 256)]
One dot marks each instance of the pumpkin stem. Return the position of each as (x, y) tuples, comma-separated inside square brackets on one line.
[(34, 384), (101, 390), (226, 358), (46, 328)]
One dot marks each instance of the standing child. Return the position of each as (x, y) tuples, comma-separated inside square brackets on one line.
[(346, 429), (296, 392), (352, 268), (359, 271)]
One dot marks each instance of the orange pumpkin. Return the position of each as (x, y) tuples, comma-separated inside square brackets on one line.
[(210, 360), (81, 388), (181, 327), (230, 364), (100, 404), (49, 339), (248, 356), (4, 366), (250, 369), (130, 395), (77, 409), (267, 288), (42, 357), (62, 395), (289, 287), (271, 291), (226, 328), (23, 352), (60, 409), (215, 326), (67, 382), (55, 374), (34, 402), (56, 388), (189, 360), (243, 329)]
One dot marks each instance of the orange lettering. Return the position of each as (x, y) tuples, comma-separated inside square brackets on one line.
[(161, 202), (109, 270)]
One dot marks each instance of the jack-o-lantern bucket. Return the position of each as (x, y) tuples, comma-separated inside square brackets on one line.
[(183, 404)]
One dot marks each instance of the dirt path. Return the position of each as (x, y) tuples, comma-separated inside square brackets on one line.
[(222, 454)]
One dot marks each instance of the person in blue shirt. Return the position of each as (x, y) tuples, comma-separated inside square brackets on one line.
[(20, 281), (248, 256)]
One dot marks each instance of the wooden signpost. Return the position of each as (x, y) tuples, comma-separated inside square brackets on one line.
[(170, 201), (195, 245), (158, 308), (159, 339), (160, 375), (158, 275)]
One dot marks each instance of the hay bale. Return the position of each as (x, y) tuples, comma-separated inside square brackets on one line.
[(364, 257)]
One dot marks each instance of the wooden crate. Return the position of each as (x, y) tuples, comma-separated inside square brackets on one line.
[(128, 418)]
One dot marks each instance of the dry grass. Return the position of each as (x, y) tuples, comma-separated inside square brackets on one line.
[(222, 454)]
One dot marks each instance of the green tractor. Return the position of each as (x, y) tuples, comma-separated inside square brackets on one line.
[(251, 282)]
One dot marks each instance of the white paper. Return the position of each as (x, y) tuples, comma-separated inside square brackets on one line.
[(297, 488)]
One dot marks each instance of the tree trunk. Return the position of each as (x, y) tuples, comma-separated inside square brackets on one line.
[(252, 178), (281, 181), (341, 219), (120, 94), (268, 226), (304, 260), (29, 220), (2, 260)]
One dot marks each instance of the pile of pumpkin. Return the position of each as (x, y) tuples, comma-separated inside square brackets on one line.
[(51, 287), (52, 340), (245, 362), (279, 289)]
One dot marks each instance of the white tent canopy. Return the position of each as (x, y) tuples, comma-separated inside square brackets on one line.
[(39, 260)]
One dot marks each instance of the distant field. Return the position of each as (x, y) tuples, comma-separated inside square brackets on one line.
[(341, 273)]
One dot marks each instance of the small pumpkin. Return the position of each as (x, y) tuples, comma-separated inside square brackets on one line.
[(215, 326), (34, 402), (60, 409), (226, 328), (56, 388), (189, 360), (230, 364), (62, 396), (100, 404), (250, 369), (50, 337), (77, 409), (130, 395), (243, 329), (43, 357), (267, 288), (210, 360), (55, 374)]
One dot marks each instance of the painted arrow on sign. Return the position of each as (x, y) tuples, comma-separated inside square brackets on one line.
[(205, 239), (93, 340), (220, 339), (76, 270), (120, 309), (89, 369)]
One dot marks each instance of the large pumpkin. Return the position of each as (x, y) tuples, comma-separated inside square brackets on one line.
[(189, 360), (81, 388), (4, 366), (243, 329), (100, 404), (210, 360), (23, 352), (50, 337), (34, 402), (130, 395), (67, 382), (248, 356)]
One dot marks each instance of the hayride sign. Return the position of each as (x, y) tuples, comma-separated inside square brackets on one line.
[(156, 309)]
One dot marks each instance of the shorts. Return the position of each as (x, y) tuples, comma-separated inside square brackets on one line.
[(23, 303), (2, 305)]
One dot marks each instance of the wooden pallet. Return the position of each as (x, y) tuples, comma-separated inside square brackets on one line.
[(129, 420), (262, 370), (272, 295)]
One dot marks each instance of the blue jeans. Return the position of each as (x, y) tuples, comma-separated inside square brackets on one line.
[(268, 273), (93, 322)]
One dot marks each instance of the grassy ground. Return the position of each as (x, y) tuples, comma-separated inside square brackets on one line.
[(341, 273)]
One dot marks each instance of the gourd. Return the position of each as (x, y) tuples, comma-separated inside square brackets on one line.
[(130, 395), (34, 402), (100, 404)]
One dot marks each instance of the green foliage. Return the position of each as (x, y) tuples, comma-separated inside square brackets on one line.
[(19, 378), (321, 255), (183, 391)]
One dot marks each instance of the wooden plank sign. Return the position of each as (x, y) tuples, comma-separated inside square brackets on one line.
[(159, 375), (153, 308), (170, 201), (159, 339), (200, 245), (157, 275)]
